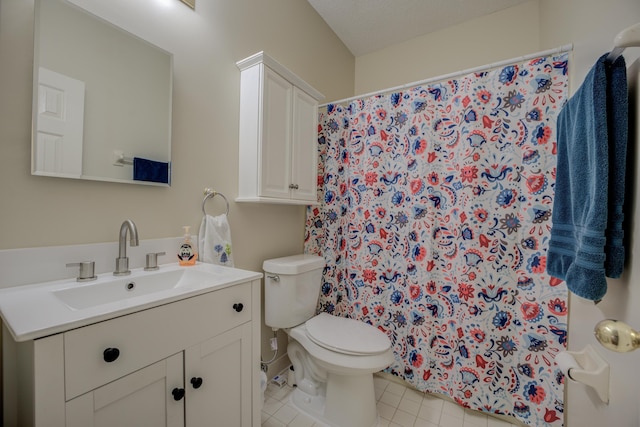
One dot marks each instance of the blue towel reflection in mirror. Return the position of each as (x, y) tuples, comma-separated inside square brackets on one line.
[(150, 170)]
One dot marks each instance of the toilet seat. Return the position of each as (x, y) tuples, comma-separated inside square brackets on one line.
[(346, 336)]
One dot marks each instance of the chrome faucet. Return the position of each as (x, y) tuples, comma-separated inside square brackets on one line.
[(122, 262)]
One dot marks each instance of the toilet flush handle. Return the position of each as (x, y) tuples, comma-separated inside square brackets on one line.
[(274, 277)]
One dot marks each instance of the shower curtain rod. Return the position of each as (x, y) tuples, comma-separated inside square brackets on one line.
[(557, 50)]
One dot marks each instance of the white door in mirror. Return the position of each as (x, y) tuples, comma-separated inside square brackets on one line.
[(59, 125)]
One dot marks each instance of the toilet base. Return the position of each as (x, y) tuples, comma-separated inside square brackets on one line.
[(349, 402)]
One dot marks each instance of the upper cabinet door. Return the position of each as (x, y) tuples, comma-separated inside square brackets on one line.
[(304, 168), (275, 159)]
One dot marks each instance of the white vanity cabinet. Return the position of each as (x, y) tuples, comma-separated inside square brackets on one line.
[(192, 362), (278, 159)]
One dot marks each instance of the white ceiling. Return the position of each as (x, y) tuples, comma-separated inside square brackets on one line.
[(365, 26)]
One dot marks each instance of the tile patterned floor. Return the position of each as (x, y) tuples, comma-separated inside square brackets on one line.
[(398, 406)]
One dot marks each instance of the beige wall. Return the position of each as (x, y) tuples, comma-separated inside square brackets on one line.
[(37, 211), (502, 35)]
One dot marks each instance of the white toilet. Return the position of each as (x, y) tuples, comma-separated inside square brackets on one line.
[(334, 358)]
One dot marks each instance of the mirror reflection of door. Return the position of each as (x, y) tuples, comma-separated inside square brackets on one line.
[(59, 125)]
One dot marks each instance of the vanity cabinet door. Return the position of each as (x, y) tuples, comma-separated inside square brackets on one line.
[(152, 396), (218, 380)]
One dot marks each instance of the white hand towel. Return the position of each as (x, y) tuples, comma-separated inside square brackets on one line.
[(214, 240)]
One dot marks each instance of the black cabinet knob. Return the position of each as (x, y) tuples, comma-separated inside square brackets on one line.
[(110, 354), (238, 307), (196, 382), (178, 393)]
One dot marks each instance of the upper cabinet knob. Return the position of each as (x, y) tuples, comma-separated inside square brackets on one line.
[(238, 307)]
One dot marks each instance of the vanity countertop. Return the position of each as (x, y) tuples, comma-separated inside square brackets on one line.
[(38, 310)]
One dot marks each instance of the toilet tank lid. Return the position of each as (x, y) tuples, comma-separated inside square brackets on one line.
[(295, 264)]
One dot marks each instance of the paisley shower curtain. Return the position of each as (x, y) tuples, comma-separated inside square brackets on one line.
[(434, 223)]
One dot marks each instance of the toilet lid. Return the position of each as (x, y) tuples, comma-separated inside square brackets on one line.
[(346, 335)]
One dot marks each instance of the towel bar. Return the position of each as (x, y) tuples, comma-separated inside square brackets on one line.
[(629, 37), (209, 194)]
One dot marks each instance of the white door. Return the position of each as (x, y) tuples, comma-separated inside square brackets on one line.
[(218, 380), (622, 302), (275, 166), (59, 124), (150, 397), (304, 169)]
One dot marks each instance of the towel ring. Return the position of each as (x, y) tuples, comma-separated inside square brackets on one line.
[(209, 194)]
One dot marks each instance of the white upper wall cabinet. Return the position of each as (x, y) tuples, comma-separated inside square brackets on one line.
[(278, 134)]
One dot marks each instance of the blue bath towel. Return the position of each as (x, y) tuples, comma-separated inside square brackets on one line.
[(618, 126), (586, 237), (150, 170)]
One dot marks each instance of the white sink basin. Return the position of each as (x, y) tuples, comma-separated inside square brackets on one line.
[(79, 297), (41, 309)]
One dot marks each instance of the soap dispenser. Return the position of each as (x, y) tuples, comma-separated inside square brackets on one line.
[(187, 254)]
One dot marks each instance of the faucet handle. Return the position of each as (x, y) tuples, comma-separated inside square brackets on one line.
[(87, 269), (152, 261)]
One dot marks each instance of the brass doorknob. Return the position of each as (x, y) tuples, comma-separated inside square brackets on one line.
[(617, 336)]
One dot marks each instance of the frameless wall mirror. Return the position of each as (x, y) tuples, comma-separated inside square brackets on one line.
[(102, 98)]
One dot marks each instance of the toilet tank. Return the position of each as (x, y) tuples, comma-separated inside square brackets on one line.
[(291, 289)]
